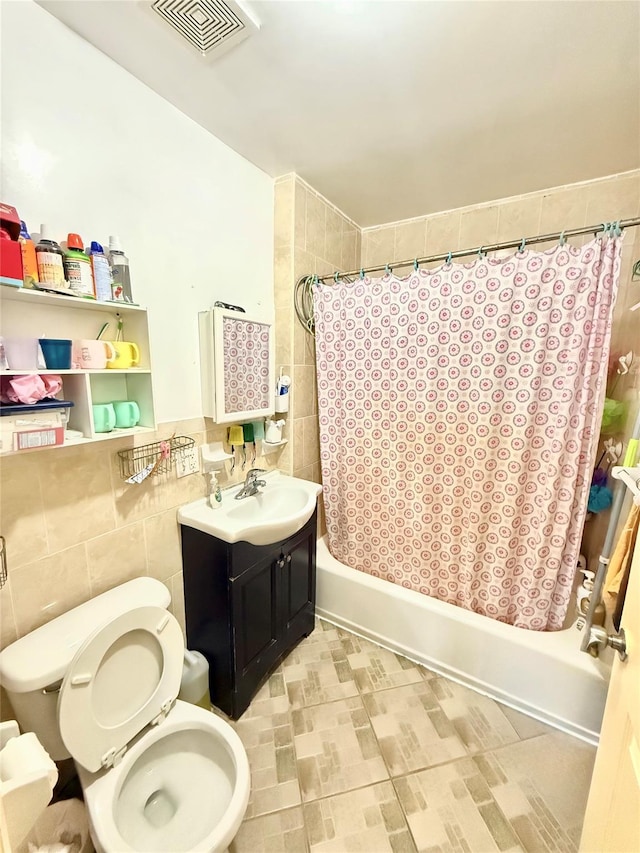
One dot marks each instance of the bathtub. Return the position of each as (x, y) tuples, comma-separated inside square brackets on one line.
[(544, 675)]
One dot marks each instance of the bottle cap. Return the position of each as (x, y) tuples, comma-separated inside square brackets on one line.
[(96, 248), (74, 241), (44, 233), (114, 243), (23, 230)]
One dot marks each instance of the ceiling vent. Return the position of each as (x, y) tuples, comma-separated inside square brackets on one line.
[(209, 26)]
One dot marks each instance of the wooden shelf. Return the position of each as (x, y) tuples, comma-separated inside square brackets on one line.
[(35, 297)]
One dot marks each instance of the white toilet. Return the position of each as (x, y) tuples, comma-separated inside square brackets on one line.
[(158, 774)]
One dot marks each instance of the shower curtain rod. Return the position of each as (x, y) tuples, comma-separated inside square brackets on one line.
[(494, 247)]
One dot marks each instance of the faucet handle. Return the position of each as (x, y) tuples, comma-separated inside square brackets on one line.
[(253, 472)]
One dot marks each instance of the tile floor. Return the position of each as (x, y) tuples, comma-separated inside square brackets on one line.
[(354, 748)]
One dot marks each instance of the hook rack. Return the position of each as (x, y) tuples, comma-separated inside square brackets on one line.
[(159, 454)]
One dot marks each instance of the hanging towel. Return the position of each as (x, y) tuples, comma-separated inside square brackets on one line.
[(235, 435), (619, 563)]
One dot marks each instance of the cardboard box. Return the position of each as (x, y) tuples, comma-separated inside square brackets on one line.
[(33, 429)]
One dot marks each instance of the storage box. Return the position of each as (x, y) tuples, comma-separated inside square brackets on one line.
[(10, 249), (34, 427)]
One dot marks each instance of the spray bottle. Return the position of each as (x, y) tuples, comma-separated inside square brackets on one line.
[(101, 272)]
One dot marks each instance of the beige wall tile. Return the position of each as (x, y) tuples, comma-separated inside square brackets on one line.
[(298, 444), (303, 264), (284, 319), (478, 226), (615, 199), (22, 519), (8, 630), (283, 276), (333, 240), (77, 496), (311, 443), (564, 209), (283, 212), (315, 225), (299, 342), (162, 539), (443, 233), (380, 245), (300, 216), (48, 587), (303, 391), (410, 239), (116, 557), (350, 250), (304, 473), (519, 218)]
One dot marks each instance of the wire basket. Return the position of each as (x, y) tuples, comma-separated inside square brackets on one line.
[(152, 459)]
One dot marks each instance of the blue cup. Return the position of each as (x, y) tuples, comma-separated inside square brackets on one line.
[(56, 352)]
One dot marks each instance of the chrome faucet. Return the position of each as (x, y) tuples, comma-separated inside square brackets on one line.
[(251, 484)]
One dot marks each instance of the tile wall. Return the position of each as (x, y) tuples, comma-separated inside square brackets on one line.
[(311, 236), (75, 529)]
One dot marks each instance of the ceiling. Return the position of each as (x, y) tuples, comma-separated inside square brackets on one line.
[(396, 109)]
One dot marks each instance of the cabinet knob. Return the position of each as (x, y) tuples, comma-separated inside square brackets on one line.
[(280, 563), (288, 558)]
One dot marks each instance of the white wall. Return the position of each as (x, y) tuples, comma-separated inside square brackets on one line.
[(88, 148)]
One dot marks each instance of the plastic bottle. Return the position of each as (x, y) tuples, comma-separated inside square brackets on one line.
[(194, 686), (121, 288), (29, 260), (49, 258), (215, 495), (77, 266), (101, 272)]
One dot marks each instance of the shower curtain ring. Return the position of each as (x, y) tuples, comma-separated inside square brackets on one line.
[(481, 253), (387, 269), (415, 265), (362, 272), (617, 230), (522, 245), (449, 258), (563, 239), (335, 277), (605, 228)]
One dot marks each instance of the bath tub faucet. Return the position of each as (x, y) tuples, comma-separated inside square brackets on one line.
[(251, 484)]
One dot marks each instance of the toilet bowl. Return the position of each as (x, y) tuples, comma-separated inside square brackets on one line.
[(184, 786), (158, 774)]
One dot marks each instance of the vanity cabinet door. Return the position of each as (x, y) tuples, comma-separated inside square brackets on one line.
[(255, 627), (298, 596)]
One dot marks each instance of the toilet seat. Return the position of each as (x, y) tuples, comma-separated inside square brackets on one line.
[(125, 676)]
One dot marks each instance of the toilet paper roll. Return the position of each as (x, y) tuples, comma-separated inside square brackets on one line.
[(24, 755)]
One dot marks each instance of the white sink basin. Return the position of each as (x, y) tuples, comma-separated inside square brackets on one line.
[(279, 510)]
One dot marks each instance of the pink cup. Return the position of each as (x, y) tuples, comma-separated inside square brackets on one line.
[(92, 355)]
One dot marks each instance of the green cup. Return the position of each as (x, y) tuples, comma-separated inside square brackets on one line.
[(127, 413), (104, 417)]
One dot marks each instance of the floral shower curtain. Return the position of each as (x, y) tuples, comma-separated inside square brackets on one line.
[(459, 412)]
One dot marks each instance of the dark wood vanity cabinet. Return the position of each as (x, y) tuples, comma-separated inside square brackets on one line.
[(246, 607)]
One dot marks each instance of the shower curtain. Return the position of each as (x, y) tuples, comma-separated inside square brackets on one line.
[(459, 413)]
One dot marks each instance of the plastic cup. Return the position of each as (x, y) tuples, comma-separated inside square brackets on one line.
[(21, 353), (56, 352)]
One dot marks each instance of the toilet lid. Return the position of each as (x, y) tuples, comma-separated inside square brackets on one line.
[(124, 676)]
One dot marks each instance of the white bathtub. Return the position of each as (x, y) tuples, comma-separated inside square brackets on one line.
[(544, 675)]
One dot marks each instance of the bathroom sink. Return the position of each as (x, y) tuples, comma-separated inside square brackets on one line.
[(279, 510)]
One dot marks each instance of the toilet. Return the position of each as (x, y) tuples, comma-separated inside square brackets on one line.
[(100, 683)]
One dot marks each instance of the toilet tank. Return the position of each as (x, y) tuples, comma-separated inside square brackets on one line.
[(32, 668)]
